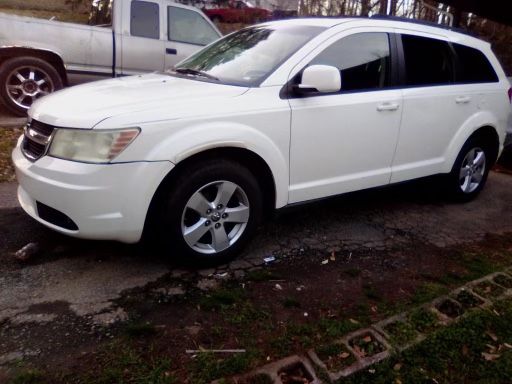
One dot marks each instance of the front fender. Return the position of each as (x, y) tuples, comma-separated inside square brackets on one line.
[(199, 138), (470, 126)]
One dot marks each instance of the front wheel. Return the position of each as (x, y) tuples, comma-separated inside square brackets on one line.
[(23, 80), (470, 171), (210, 212)]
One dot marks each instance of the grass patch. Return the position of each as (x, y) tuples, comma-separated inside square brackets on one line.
[(30, 376), (423, 320), (8, 139), (221, 298), (453, 354), (208, 367), (428, 291), (121, 363), (334, 328), (401, 333)]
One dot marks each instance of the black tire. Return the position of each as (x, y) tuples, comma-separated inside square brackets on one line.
[(457, 186), (6, 69), (176, 195)]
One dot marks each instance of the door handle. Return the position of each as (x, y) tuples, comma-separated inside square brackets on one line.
[(462, 99), (388, 107), (171, 51)]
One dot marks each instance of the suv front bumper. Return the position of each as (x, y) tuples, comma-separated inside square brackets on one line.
[(105, 201)]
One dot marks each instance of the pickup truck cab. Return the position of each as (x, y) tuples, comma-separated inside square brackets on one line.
[(38, 56)]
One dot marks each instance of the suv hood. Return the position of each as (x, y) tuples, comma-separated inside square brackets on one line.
[(84, 106)]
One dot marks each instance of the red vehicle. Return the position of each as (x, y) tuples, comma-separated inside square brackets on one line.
[(237, 12)]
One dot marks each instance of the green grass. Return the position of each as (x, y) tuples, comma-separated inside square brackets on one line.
[(428, 291), (423, 320), (222, 298), (121, 363), (207, 367), (261, 275), (401, 333), (29, 376), (453, 354)]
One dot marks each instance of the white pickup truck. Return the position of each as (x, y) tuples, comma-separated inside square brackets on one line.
[(124, 37)]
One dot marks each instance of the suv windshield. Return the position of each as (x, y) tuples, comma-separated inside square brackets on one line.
[(249, 56)]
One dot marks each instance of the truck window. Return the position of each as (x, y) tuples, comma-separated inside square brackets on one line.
[(145, 19), (101, 13), (187, 26)]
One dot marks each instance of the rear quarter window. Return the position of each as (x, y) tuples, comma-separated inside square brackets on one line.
[(473, 66)]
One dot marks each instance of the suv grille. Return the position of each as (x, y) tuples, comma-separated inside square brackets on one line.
[(37, 138)]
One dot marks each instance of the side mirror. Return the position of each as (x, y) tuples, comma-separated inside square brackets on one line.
[(320, 78)]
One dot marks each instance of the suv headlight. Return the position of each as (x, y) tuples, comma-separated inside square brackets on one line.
[(91, 146)]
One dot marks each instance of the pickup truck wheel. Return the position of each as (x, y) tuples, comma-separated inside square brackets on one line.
[(210, 213), (470, 171), (23, 80)]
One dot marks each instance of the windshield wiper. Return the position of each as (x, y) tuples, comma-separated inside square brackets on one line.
[(195, 72)]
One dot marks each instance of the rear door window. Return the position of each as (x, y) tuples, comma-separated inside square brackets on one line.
[(474, 67), (145, 19), (428, 61), (187, 26)]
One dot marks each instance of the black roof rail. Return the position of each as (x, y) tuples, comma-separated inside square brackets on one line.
[(422, 22)]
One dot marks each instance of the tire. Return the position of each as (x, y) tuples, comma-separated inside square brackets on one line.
[(470, 170), (24, 80), (216, 234)]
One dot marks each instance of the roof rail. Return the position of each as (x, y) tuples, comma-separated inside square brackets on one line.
[(422, 22)]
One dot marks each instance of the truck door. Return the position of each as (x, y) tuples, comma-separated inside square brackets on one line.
[(142, 38), (188, 30)]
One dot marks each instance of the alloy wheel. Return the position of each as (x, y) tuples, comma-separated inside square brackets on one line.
[(215, 217), (26, 84), (472, 170)]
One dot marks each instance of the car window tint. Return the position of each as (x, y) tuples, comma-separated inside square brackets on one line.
[(189, 27), (427, 61), (474, 67), (145, 19), (363, 60)]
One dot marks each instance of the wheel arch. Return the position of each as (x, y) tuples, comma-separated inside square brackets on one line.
[(49, 56), (248, 158), (484, 126)]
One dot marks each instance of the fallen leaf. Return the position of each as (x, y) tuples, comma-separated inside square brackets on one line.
[(397, 366), (353, 321), (325, 261), (492, 335), (465, 350), (344, 355), (333, 256), (373, 308), (507, 345), (490, 356), (367, 339), (278, 287)]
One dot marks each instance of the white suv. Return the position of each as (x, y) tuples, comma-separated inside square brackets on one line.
[(276, 114)]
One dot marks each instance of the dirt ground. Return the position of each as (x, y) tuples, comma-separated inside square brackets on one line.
[(76, 306)]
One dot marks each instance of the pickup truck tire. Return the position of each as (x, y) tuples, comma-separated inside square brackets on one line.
[(209, 213), (23, 80)]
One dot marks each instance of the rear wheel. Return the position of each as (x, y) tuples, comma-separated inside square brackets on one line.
[(210, 213), (470, 171), (23, 80)]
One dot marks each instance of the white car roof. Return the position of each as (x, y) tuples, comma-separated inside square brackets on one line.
[(328, 22)]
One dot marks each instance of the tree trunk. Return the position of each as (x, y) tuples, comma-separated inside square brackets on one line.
[(365, 8), (383, 9)]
